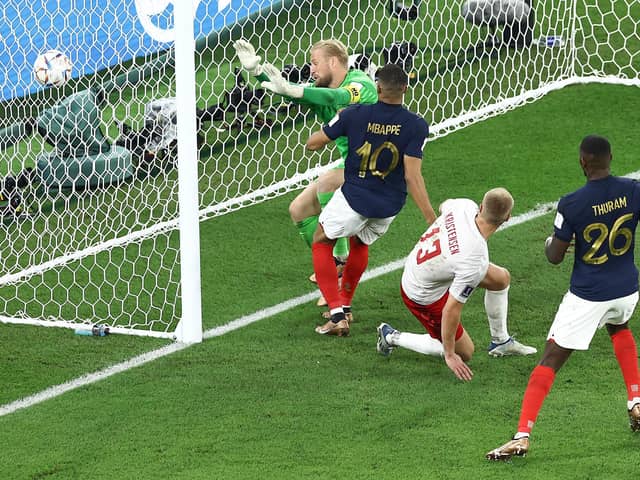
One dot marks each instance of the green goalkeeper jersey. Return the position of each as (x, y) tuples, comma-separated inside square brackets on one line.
[(357, 87)]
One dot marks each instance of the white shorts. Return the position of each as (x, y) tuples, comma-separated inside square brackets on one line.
[(577, 319), (339, 220)]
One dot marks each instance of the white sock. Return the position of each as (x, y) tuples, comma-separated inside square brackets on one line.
[(496, 304), (520, 435), (631, 403), (425, 344)]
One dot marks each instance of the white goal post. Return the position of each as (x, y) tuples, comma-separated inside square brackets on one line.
[(106, 177)]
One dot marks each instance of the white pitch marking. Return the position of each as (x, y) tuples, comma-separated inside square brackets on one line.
[(236, 324)]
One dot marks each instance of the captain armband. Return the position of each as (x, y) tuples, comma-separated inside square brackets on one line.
[(354, 93)]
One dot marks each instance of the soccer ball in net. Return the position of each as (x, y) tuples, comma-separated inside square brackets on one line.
[(52, 68)]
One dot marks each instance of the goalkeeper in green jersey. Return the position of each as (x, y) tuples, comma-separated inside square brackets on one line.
[(334, 88)]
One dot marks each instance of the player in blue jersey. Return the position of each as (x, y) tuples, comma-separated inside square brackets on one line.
[(334, 87), (383, 162), (601, 218)]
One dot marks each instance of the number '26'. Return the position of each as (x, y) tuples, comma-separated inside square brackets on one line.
[(602, 234)]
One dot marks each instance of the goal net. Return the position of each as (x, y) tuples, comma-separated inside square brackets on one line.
[(90, 185)]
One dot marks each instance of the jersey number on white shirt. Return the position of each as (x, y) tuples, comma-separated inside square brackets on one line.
[(432, 249)]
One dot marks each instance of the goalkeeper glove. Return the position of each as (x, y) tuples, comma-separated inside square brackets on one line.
[(279, 85), (248, 58)]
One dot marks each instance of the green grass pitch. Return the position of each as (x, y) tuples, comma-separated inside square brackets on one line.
[(274, 400)]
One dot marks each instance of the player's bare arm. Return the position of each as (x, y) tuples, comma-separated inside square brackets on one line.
[(417, 188), (555, 249), (309, 95), (450, 319), (317, 140)]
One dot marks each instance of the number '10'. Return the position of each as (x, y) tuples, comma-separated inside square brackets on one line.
[(369, 160)]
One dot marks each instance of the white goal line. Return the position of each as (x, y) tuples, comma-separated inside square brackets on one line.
[(236, 324)]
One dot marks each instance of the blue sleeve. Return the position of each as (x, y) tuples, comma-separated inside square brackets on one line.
[(561, 228), (418, 139), (337, 126)]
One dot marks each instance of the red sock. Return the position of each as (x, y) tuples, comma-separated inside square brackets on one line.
[(354, 268), (537, 390), (626, 352), (326, 273)]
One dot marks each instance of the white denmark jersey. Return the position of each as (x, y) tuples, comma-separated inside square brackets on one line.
[(451, 255)]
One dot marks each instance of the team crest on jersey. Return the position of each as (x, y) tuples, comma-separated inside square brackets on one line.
[(467, 291), (354, 91)]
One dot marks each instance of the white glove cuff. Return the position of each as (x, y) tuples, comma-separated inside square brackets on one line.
[(295, 91), (257, 70)]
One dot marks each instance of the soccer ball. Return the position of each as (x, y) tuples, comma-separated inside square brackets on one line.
[(52, 68)]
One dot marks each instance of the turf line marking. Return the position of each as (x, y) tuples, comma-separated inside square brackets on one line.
[(368, 275), (236, 324), (90, 378)]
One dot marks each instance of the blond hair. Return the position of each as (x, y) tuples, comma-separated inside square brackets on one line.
[(497, 205), (333, 48)]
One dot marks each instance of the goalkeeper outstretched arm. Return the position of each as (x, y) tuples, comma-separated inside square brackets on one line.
[(271, 79), (249, 60), (301, 94)]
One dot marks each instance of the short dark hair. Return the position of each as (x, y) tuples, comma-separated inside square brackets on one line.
[(392, 76), (596, 152), (595, 145)]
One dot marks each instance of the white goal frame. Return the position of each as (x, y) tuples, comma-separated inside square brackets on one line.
[(189, 328)]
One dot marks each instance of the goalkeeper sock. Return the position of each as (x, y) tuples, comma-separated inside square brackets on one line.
[(307, 227), (341, 247)]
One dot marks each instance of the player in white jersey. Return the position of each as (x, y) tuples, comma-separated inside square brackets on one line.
[(458, 253), (448, 263)]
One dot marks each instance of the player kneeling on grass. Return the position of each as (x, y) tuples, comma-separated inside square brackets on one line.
[(383, 161), (447, 264), (602, 217)]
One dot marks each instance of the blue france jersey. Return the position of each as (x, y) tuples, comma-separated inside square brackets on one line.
[(602, 216), (379, 136)]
